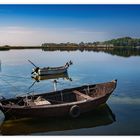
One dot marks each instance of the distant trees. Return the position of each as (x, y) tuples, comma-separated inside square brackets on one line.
[(125, 41), (44, 45), (5, 47), (119, 42)]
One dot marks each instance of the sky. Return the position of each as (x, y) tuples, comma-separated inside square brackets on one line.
[(37, 24)]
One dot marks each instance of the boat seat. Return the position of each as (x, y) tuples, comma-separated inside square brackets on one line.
[(82, 94)]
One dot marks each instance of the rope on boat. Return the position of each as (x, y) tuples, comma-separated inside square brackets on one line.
[(32, 85)]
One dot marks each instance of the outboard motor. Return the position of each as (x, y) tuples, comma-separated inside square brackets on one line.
[(67, 64), (70, 63), (35, 70)]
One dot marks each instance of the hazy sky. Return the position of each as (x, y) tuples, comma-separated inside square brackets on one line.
[(36, 24)]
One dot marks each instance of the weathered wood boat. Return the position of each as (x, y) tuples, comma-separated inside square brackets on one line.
[(72, 101), (50, 70), (100, 116)]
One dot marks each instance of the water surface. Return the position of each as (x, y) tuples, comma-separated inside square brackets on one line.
[(88, 67)]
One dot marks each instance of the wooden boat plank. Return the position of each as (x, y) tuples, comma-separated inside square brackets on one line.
[(81, 94)]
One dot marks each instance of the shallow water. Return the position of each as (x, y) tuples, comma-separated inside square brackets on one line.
[(88, 67)]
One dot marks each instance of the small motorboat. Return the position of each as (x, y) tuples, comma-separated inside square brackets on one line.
[(50, 70)]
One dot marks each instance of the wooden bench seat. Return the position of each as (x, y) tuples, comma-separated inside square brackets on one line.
[(82, 94)]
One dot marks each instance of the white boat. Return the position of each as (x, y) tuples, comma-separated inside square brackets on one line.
[(50, 70)]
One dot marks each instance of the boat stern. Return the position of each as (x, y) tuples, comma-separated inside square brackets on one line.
[(35, 71)]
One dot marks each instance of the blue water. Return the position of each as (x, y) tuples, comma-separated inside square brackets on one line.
[(88, 67)]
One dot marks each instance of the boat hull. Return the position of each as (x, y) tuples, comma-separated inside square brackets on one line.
[(54, 110), (101, 116), (42, 72), (51, 70)]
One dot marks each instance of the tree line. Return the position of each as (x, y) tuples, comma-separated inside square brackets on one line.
[(125, 41)]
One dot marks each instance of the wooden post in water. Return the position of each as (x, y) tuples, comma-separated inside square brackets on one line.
[(55, 84)]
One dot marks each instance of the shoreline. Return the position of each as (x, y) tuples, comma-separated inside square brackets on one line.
[(19, 47), (119, 51), (55, 48), (119, 43), (66, 47)]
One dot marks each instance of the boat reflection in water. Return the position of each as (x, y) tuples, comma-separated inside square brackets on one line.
[(27, 126), (65, 76), (53, 77)]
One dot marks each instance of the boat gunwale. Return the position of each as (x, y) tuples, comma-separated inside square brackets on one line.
[(53, 68), (62, 104), (57, 105), (73, 88)]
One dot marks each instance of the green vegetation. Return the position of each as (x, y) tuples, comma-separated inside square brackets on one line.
[(125, 41), (120, 42), (125, 47), (5, 47)]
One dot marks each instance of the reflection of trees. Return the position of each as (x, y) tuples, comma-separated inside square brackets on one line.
[(125, 52), (119, 51), (62, 49)]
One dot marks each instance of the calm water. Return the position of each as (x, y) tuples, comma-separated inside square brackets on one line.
[(121, 115)]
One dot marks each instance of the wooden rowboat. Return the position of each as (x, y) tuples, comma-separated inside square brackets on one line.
[(50, 70), (72, 101)]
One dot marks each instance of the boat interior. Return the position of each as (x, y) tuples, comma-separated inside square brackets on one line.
[(52, 68), (63, 96)]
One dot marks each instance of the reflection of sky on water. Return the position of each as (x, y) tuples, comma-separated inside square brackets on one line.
[(87, 68), (124, 100)]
